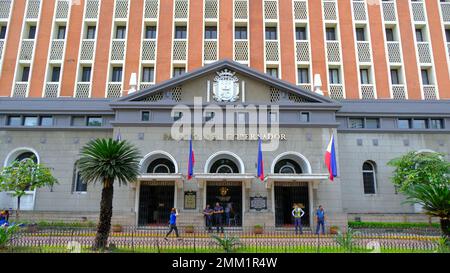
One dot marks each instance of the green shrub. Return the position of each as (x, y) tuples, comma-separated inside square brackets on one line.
[(391, 225), (6, 234), (345, 240), (227, 243)]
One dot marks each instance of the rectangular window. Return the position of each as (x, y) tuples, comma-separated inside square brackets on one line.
[(360, 34), (31, 32), (46, 121), (272, 72), (86, 74), (145, 116), (56, 71), (436, 124), (211, 32), (389, 34), (30, 121), (333, 74), (150, 32), (95, 121), (61, 32), (2, 32), (121, 32), (303, 75), (447, 34), (404, 123), (180, 32), (148, 74), (300, 34), (420, 124), (425, 77), (240, 33), (364, 76), (117, 74), (356, 123), (90, 33), (331, 34), (25, 73), (80, 186), (178, 71), (271, 33), (14, 121), (419, 35), (372, 123), (304, 117), (394, 76)]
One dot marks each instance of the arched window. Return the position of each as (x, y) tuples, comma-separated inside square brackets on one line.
[(288, 166), (26, 155), (161, 165), (369, 177), (224, 166)]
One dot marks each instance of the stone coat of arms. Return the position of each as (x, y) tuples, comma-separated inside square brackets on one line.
[(226, 86)]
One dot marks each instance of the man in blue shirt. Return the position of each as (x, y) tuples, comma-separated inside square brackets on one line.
[(173, 223), (218, 217), (320, 214)]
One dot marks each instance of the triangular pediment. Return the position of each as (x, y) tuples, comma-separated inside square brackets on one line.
[(251, 86)]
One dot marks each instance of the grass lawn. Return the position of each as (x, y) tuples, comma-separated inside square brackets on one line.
[(265, 249)]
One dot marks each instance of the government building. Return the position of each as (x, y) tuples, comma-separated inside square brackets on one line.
[(375, 75)]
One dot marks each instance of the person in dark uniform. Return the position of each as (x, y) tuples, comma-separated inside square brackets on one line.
[(218, 217), (208, 213)]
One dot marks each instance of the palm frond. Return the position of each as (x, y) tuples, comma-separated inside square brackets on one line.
[(109, 159)]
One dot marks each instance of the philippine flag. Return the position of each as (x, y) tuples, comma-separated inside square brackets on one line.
[(260, 161), (330, 159), (191, 161)]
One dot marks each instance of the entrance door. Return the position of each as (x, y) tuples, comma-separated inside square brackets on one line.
[(286, 195), (155, 203), (227, 194)]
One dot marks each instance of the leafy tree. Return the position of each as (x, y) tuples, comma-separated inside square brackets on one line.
[(105, 161), (424, 178), (25, 175)]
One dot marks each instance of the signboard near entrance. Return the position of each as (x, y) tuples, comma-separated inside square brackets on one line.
[(258, 203), (190, 200)]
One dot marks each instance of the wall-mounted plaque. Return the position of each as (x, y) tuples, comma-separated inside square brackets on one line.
[(258, 203), (190, 200)]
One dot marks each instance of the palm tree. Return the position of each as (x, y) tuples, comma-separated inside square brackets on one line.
[(435, 199), (107, 160)]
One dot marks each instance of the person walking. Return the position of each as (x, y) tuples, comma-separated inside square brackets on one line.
[(320, 218), (218, 216), (208, 213), (298, 213), (173, 223)]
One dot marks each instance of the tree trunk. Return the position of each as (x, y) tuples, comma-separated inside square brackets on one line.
[(445, 227), (18, 209), (104, 224)]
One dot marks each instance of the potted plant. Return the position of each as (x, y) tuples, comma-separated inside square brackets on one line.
[(334, 230), (258, 229), (189, 229), (117, 228)]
